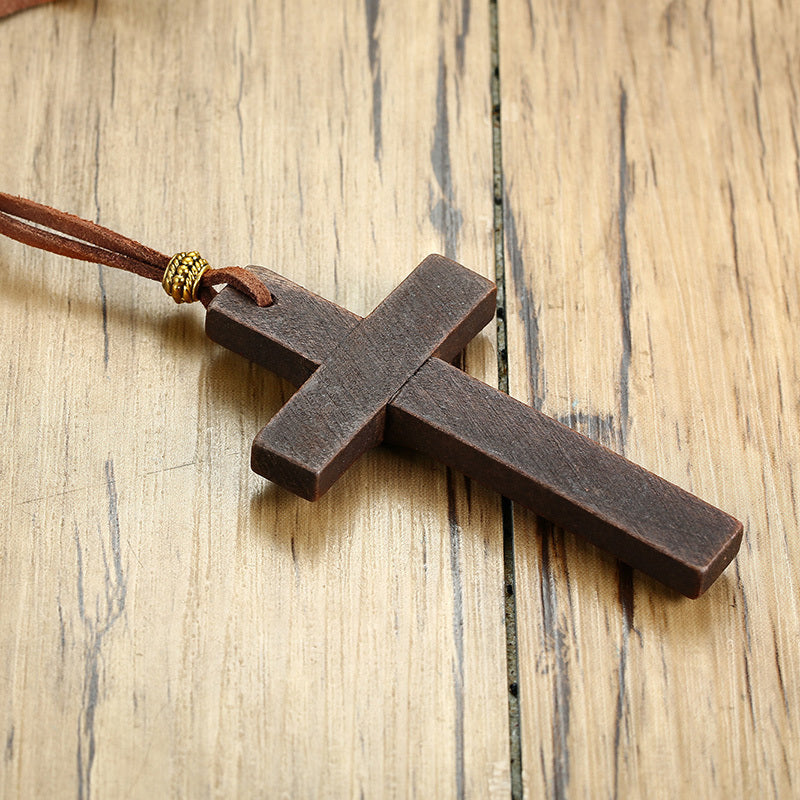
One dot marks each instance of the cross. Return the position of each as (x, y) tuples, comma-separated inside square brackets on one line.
[(387, 377)]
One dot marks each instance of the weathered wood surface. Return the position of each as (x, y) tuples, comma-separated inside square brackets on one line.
[(651, 156), (169, 625)]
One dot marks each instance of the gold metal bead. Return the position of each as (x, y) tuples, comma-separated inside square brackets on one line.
[(181, 279)]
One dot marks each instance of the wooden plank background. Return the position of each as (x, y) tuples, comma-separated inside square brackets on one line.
[(170, 625)]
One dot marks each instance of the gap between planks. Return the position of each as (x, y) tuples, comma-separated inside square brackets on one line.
[(509, 566)]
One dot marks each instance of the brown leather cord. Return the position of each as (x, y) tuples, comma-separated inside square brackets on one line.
[(87, 241), (10, 6)]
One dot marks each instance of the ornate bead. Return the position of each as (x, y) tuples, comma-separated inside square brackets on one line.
[(181, 279)]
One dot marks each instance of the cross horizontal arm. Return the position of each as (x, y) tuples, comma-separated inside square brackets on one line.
[(566, 477), (340, 411)]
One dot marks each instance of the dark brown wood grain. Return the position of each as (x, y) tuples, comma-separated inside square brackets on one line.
[(566, 477), (12, 6), (340, 410)]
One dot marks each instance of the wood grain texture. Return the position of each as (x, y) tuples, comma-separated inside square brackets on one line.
[(169, 626), (650, 161)]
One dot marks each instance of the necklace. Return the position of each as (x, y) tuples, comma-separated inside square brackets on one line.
[(387, 377)]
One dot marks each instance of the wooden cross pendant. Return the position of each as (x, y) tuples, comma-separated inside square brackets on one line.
[(387, 377)]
